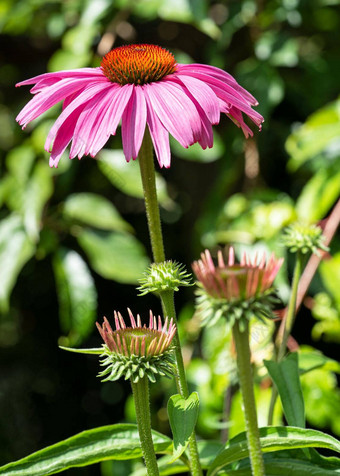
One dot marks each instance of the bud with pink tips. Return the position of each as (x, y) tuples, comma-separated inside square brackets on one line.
[(137, 351), (236, 290)]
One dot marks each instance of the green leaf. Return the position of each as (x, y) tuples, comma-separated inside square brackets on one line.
[(94, 210), (207, 450), (183, 415), (39, 189), (273, 439), (297, 462), (77, 296), (126, 176), (119, 442), (311, 360), (285, 375), (116, 256), (15, 250), (19, 162), (318, 195), (196, 153)]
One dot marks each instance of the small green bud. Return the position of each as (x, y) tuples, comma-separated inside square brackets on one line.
[(165, 276), (306, 239)]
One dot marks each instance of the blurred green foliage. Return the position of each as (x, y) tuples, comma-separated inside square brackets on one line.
[(69, 237)]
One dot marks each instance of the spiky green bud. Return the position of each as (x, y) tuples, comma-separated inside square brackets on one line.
[(305, 239), (165, 276)]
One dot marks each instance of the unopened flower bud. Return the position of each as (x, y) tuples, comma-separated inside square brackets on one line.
[(236, 291), (165, 276), (137, 351), (305, 239)]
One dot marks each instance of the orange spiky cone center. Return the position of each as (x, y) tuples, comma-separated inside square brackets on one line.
[(138, 64)]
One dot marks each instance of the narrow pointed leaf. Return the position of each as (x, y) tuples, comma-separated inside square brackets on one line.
[(182, 417), (39, 189), (93, 351), (119, 442), (273, 439), (285, 375), (16, 249), (77, 296)]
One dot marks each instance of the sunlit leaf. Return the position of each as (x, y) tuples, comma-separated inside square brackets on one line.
[(285, 375), (273, 439), (126, 175), (311, 359), (328, 317), (299, 462), (318, 195), (322, 398), (319, 134), (183, 414), (196, 153)]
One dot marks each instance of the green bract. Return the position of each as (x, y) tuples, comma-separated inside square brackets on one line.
[(211, 309), (136, 366)]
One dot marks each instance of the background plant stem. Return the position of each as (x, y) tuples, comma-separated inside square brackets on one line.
[(142, 404), (147, 168), (288, 326), (247, 389)]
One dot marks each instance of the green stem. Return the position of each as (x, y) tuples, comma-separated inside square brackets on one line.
[(147, 169), (246, 383), (142, 404), (288, 326)]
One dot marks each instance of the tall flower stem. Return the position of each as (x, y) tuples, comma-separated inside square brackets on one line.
[(147, 169), (142, 404), (288, 326), (245, 373), (168, 305)]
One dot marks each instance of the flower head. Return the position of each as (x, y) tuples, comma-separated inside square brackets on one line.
[(164, 276), (139, 85), (235, 291), (137, 351), (306, 239)]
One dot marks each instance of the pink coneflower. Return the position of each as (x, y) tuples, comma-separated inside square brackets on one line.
[(137, 351), (138, 85), (234, 281)]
